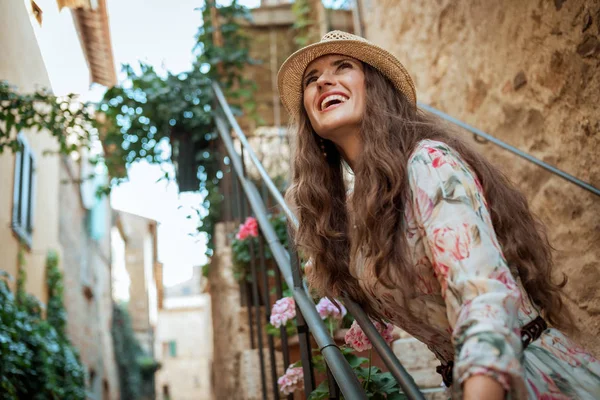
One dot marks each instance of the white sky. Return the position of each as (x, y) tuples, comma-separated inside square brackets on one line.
[(161, 33)]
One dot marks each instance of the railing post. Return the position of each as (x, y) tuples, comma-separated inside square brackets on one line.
[(303, 330)]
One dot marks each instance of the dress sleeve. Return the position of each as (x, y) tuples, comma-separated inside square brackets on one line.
[(481, 295)]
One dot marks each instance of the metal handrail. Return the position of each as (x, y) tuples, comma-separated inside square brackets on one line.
[(341, 370), (387, 355), (510, 148)]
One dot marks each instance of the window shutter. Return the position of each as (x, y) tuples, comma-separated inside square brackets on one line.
[(31, 199), (17, 188)]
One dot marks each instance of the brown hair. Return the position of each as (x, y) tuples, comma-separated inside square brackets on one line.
[(391, 129)]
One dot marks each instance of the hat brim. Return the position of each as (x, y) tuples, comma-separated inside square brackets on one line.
[(289, 80)]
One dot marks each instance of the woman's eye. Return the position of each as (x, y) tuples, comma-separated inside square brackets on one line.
[(345, 65), (310, 80)]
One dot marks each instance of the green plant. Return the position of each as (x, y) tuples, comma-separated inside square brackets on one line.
[(303, 24), (38, 360), (377, 384), (69, 121), (150, 110), (136, 368), (241, 245)]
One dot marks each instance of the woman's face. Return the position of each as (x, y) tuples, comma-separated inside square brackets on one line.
[(334, 97)]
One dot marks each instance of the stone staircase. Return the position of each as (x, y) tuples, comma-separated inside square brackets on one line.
[(420, 363)]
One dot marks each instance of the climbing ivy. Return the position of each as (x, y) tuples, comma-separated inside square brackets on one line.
[(151, 109), (38, 360), (303, 24), (136, 369), (68, 120)]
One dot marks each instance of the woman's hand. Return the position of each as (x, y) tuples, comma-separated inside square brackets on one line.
[(483, 387)]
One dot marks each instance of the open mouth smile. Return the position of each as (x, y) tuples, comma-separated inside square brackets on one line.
[(332, 101)]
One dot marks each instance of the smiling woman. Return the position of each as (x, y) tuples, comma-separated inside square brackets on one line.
[(334, 100), (432, 237)]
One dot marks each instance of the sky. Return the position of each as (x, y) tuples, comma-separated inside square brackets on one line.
[(161, 33)]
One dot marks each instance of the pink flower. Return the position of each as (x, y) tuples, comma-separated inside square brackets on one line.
[(283, 310), (356, 338), (248, 228), (327, 308), (292, 380)]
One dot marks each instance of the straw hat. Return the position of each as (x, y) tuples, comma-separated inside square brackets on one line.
[(289, 79)]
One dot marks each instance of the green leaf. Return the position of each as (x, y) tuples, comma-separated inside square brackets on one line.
[(321, 392)]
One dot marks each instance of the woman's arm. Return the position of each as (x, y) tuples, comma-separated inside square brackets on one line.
[(483, 387), (481, 296)]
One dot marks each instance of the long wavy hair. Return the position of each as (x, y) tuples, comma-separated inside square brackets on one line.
[(390, 131)]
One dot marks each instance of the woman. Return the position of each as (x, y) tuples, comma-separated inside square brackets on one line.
[(432, 237)]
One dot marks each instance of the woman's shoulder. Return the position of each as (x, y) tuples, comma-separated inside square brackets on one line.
[(431, 152), (430, 146)]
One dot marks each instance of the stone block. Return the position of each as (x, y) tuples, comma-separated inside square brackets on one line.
[(414, 355), (250, 374)]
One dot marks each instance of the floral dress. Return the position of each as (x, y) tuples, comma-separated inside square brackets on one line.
[(468, 307)]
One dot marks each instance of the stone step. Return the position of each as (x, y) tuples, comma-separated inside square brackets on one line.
[(419, 361)]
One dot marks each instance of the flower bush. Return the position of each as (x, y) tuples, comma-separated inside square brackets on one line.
[(377, 384), (247, 236), (292, 380), (38, 361), (248, 229), (358, 340)]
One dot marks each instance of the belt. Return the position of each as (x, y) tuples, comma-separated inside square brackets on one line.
[(530, 332)]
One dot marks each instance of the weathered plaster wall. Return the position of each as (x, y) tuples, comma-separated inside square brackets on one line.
[(527, 72), (22, 65)]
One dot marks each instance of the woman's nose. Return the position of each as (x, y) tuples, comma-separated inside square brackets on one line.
[(326, 79)]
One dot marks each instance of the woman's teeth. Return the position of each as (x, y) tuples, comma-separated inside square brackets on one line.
[(333, 99)]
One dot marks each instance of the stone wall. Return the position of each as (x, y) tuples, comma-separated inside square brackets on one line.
[(22, 65), (87, 274), (527, 72), (228, 329), (186, 372), (140, 262)]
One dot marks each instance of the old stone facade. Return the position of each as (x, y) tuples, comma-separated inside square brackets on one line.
[(145, 274), (184, 338), (529, 74), (85, 240)]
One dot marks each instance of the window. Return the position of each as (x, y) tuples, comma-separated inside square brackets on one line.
[(24, 191), (172, 348)]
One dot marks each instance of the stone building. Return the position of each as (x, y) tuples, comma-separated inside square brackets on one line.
[(185, 343), (145, 275), (192, 287), (528, 73), (46, 207)]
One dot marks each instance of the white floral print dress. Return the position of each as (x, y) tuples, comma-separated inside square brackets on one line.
[(468, 306)]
